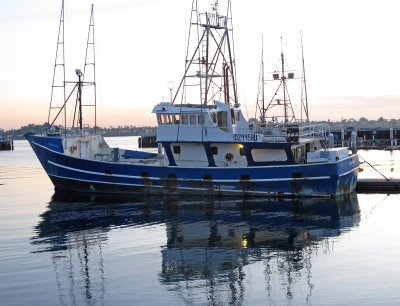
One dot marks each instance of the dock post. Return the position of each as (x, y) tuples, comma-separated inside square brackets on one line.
[(373, 138), (391, 138), (342, 137), (354, 141)]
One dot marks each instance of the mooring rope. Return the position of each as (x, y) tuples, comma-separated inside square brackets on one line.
[(374, 168)]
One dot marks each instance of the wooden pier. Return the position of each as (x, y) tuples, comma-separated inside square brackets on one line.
[(378, 186)]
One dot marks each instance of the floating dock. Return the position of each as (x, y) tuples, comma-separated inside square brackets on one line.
[(6, 144), (147, 142), (368, 138), (378, 186)]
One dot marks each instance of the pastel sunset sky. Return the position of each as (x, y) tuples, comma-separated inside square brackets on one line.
[(351, 48)]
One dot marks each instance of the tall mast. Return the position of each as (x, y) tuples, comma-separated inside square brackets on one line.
[(59, 67), (263, 79), (275, 100), (304, 81), (283, 78), (79, 97), (90, 61), (261, 86), (209, 65)]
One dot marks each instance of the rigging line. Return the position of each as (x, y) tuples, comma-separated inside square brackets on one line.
[(374, 168), (63, 105)]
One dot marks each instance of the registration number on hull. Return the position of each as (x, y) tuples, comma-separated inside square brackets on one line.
[(245, 137)]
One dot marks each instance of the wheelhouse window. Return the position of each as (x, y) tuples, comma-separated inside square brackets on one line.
[(237, 116), (200, 119), (214, 117), (184, 119), (160, 119), (192, 119), (223, 120), (233, 116), (176, 119), (168, 119)]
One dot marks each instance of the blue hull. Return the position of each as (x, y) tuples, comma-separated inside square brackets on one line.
[(84, 175)]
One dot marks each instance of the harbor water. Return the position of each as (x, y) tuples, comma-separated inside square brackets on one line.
[(60, 249)]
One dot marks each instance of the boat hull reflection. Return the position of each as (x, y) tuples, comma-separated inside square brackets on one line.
[(206, 240)]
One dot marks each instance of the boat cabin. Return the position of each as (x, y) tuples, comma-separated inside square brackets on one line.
[(219, 136)]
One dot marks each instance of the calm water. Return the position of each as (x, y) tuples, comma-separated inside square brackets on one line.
[(58, 250)]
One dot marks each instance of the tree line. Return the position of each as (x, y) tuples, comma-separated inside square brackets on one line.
[(151, 130)]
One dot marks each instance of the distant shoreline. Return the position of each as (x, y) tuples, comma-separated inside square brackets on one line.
[(17, 134)]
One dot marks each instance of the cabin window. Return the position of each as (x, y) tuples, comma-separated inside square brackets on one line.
[(214, 117), (207, 177), (232, 116), (269, 155), (160, 119), (214, 150), (222, 120), (245, 177), (176, 119), (168, 119), (237, 116), (177, 150), (184, 119), (200, 119), (192, 119)]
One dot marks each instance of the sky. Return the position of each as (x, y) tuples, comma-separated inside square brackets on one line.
[(351, 50)]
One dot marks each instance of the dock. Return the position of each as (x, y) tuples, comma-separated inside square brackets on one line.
[(387, 138), (378, 186), (6, 144), (147, 141)]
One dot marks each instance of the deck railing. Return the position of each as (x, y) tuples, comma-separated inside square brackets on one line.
[(286, 132)]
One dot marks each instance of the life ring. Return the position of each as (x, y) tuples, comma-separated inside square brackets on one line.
[(229, 156), (72, 149)]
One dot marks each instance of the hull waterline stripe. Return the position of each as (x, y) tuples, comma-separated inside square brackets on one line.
[(348, 172), (186, 179), (196, 189)]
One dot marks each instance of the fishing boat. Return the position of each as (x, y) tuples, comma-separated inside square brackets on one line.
[(206, 146)]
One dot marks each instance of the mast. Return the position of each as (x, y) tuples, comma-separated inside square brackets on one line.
[(59, 67), (282, 76), (261, 86), (79, 97), (89, 62), (209, 64), (304, 81)]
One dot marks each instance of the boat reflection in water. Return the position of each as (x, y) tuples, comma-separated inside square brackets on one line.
[(209, 245)]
